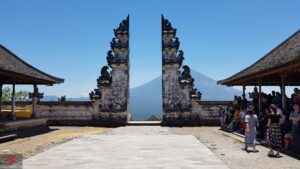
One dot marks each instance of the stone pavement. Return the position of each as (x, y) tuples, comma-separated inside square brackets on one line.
[(131, 147)]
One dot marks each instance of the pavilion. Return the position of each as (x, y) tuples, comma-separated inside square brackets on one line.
[(15, 71), (280, 67)]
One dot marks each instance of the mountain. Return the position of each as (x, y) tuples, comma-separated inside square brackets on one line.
[(146, 100)]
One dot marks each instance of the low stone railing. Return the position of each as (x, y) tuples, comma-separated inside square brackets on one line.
[(83, 113)]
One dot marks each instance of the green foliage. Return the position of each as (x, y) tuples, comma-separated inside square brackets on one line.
[(20, 95), (6, 94)]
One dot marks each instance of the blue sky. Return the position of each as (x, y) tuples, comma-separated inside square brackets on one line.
[(70, 38)]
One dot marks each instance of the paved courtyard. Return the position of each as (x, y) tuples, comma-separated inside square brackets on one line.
[(129, 147)]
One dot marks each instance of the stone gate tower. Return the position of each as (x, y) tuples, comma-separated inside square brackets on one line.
[(179, 94), (112, 92)]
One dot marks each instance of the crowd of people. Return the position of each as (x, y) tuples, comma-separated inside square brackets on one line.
[(274, 127)]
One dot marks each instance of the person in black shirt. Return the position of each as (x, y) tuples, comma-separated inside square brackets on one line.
[(274, 121)]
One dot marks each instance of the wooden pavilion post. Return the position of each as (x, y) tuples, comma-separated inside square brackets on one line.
[(259, 99), (34, 100), (1, 86), (13, 116), (244, 91), (283, 92)]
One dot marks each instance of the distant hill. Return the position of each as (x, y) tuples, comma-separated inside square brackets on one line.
[(146, 100), (49, 98), (55, 98)]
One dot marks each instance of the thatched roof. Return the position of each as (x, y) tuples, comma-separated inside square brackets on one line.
[(284, 57), (15, 70)]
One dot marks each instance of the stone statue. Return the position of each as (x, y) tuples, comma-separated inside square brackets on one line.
[(36, 94), (174, 59), (176, 43), (95, 95), (167, 26), (105, 79), (113, 58), (113, 43), (180, 57), (199, 95), (186, 77), (194, 94), (123, 27), (110, 57)]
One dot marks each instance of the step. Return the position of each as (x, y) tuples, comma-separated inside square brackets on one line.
[(144, 123), (7, 138)]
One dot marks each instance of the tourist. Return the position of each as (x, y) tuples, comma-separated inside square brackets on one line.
[(242, 120), (244, 101), (277, 99), (236, 120), (251, 121), (295, 96), (295, 118), (222, 116), (264, 101), (275, 142), (240, 101), (263, 122), (235, 101), (228, 116)]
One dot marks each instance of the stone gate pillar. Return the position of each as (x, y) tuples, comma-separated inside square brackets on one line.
[(178, 85), (112, 95)]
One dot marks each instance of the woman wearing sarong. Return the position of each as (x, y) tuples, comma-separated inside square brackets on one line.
[(251, 121), (295, 118), (275, 142)]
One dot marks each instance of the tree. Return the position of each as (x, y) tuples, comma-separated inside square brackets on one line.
[(6, 94), (63, 99), (20, 95)]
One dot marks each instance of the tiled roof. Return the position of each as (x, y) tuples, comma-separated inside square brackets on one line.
[(285, 53), (10, 63)]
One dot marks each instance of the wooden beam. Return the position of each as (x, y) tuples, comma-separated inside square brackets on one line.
[(244, 91), (283, 98), (7, 77), (258, 75), (1, 86), (13, 116), (34, 100), (259, 100)]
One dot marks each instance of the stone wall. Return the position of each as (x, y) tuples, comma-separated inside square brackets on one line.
[(83, 113), (67, 113), (204, 113)]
